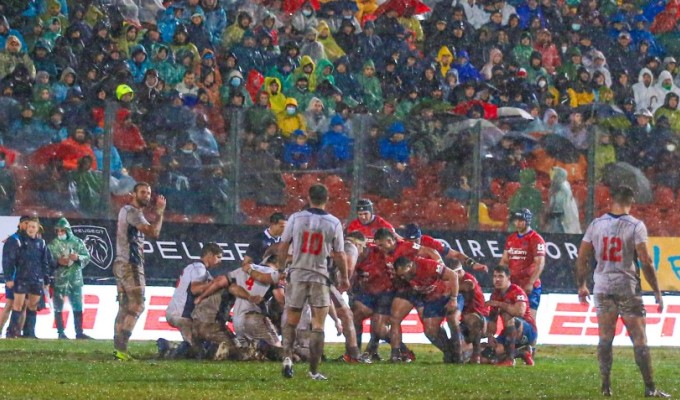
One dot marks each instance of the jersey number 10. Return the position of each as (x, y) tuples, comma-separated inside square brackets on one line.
[(611, 250), (311, 242)]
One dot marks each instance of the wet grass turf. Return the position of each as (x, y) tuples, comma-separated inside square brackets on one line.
[(49, 369)]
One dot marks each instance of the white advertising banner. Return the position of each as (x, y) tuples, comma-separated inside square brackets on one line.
[(561, 320)]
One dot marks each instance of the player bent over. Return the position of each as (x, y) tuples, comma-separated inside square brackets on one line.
[(618, 241), (509, 302), (209, 323), (435, 288), (474, 315)]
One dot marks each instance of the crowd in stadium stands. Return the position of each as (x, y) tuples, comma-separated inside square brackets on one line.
[(299, 71)]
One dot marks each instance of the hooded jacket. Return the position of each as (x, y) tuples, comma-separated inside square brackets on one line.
[(563, 211), (646, 96), (71, 275), (299, 71), (444, 68), (527, 196), (290, 123), (331, 47), (277, 102)]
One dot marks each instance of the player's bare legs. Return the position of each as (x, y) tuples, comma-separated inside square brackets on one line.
[(512, 331), (400, 309), (5, 313), (437, 336), (606, 322), (476, 326), (453, 321), (130, 307), (636, 329), (360, 313), (347, 317), (316, 339)]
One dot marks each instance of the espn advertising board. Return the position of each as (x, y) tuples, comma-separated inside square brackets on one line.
[(562, 320), (181, 243)]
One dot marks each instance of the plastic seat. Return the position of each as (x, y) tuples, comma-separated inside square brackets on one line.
[(580, 193), (485, 219), (499, 211), (509, 189), (664, 197), (602, 196)]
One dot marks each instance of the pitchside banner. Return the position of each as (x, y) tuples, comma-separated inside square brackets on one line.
[(180, 244), (561, 320)]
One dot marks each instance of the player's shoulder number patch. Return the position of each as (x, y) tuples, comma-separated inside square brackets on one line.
[(440, 269), (540, 247), (416, 246), (521, 297)]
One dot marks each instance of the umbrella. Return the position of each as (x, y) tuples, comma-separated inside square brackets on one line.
[(490, 110), (491, 134), (622, 173), (514, 112), (56, 151), (400, 6), (560, 148)]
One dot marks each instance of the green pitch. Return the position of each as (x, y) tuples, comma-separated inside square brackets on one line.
[(49, 369)]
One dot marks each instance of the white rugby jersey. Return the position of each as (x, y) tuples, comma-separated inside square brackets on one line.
[(182, 303), (315, 235), (614, 238), (253, 287)]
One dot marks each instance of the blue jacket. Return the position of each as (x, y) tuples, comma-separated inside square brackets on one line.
[(216, 22), (340, 143), (138, 70), (25, 259), (391, 151), (296, 155)]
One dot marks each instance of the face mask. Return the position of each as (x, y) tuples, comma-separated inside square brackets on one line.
[(667, 86), (187, 151), (542, 84), (61, 236), (576, 27), (648, 128), (235, 82), (670, 147), (290, 110), (306, 13), (348, 16)]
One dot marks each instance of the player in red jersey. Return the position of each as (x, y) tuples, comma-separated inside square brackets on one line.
[(412, 233), (434, 289), (367, 222), (475, 313), (509, 301), (392, 248), (524, 254)]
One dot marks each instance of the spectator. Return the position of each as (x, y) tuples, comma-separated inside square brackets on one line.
[(370, 85), (198, 33), (300, 92), (624, 151), (466, 71), (7, 186), (28, 133), (98, 150), (88, 184), (127, 137), (395, 150), (332, 50), (297, 153), (267, 180), (233, 34), (646, 94), (206, 144), (562, 211), (605, 153), (336, 147), (527, 196), (577, 131), (669, 109), (11, 57), (76, 146), (317, 121)]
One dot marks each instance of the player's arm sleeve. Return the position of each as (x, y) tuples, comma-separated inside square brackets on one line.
[(338, 239), (640, 234), (9, 258), (46, 260), (588, 236), (136, 218)]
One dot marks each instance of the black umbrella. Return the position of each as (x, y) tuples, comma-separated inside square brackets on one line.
[(622, 173), (560, 148)]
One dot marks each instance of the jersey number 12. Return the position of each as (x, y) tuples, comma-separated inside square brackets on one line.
[(311, 242), (611, 250)]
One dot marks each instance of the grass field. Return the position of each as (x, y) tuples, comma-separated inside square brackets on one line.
[(48, 369)]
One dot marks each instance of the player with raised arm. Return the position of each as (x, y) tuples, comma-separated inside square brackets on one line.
[(435, 287), (315, 235), (128, 267), (474, 315), (412, 233), (618, 242), (367, 222), (509, 302), (524, 255)]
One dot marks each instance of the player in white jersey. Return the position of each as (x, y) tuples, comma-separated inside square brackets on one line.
[(315, 235), (251, 322), (194, 280), (619, 241)]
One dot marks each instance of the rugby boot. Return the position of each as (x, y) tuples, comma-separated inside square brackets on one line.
[(122, 355), (606, 390), (508, 362), (163, 347), (317, 377), (287, 370), (656, 393)]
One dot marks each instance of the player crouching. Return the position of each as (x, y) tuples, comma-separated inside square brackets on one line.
[(475, 313), (509, 302), (435, 289)]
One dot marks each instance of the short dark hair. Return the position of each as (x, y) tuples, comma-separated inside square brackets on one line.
[(318, 194), (356, 235), (383, 233), (502, 269), (211, 248), (276, 217), (140, 184), (401, 262), (623, 194)]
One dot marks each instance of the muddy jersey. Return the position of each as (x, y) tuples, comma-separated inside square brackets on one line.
[(614, 238), (427, 281), (514, 294), (182, 303), (521, 252), (369, 229), (314, 235), (253, 287), (129, 239), (474, 300)]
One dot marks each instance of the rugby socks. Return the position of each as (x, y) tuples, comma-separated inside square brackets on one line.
[(316, 339), (29, 326), (605, 357), (510, 333), (439, 341), (353, 352), (289, 333), (14, 329), (644, 361)]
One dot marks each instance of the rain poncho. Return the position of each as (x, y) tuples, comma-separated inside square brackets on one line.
[(563, 211), (70, 275)]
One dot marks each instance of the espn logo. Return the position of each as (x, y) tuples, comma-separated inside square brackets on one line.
[(576, 319)]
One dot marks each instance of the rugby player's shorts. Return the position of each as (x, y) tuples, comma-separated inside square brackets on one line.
[(380, 303), (435, 308), (529, 333), (623, 305), (256, 326), (129, 276), (535, 297), (32, 288), (299, 293)]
